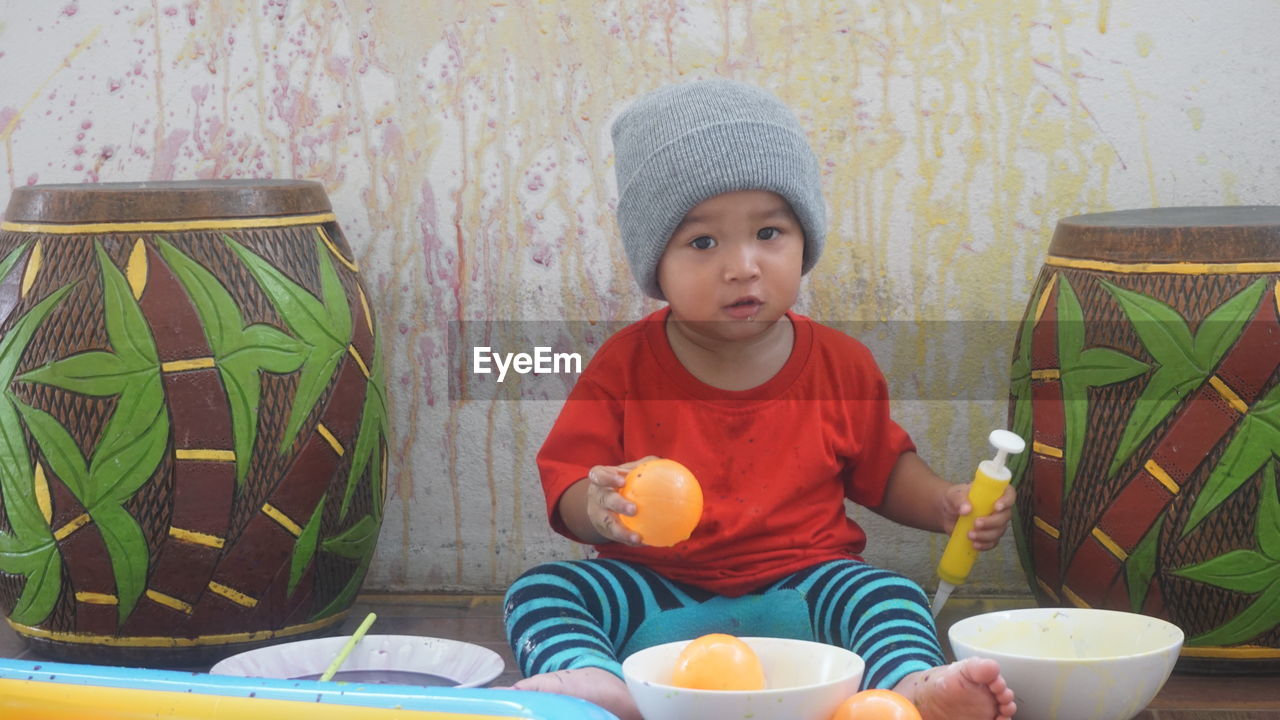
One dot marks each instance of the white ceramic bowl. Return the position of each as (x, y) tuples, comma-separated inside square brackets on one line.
[(803, 681), (466, 664), (1073, 663)]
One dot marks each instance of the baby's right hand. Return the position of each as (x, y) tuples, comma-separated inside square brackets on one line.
[(604, 503)]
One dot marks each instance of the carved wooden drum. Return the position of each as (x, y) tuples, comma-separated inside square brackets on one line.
[(1146, 378), (193, 424)]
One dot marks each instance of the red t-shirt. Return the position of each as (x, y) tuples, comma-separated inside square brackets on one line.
[(775, 462)]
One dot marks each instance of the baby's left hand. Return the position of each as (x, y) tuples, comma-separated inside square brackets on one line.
[(987, 529)]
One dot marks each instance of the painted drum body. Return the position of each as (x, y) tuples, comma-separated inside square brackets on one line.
[(192, 429), (1146, 379)]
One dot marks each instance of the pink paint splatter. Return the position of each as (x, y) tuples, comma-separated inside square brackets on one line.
[(32, 179), (542, 253), (8, 116), (162, 164), (339, 66), (427, 351), (71, 9), (427, 220)]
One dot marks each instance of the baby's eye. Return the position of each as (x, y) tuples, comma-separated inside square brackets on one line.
[(768, 233), (704, 242)]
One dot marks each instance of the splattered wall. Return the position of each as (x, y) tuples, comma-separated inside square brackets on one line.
[(464, 146)]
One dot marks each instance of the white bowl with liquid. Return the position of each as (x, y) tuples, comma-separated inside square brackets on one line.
[(1074, 663), (803, 681), (374, 660)]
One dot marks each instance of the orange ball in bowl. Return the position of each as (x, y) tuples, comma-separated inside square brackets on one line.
[(876, 705), (718, 662), (668, 502)]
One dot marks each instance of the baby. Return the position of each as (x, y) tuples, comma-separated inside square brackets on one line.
[(779, 417)]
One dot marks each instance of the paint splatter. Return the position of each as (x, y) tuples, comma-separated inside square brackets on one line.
[(1196, 115), (1144, 44), (465, 148)]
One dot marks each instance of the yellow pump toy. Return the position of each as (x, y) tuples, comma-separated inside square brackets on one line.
[(988, 485)]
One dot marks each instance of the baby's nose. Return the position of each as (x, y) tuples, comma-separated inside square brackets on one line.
[(743, 262)]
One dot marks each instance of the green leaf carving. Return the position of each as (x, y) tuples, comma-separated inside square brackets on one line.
[(353, 542), (133, 441), (1141, 566), (1254, 620), (29, 549), (323, 326), (1247, 571), (1268, 527), (1243, 571), (9, 293), (1081, 369), (356, 543), (240, 353), (1254, 443), (373, 429), (90, 373), (305, 549), (1182, 362), (126, 545), (43, 568)]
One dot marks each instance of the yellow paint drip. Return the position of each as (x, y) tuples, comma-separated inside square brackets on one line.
[(1144, 44), (1196, 115)]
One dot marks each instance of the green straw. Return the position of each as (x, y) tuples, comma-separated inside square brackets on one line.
[(346, 649)]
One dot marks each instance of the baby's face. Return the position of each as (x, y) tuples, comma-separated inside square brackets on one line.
[(733, 264)]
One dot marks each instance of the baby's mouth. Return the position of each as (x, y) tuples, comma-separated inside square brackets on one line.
[(744, 307)]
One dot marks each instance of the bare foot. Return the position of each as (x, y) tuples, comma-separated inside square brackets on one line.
[(591, 684), (970, 689)]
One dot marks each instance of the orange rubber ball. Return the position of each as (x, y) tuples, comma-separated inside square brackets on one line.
[(718, 662), (876, 705), (668, 502)]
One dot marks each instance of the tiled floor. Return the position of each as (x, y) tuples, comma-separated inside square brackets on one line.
[(478, 619)]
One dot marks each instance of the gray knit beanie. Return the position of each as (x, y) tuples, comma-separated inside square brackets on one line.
[(684, 143)]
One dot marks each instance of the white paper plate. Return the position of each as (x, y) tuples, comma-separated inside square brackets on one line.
[(467, 664)]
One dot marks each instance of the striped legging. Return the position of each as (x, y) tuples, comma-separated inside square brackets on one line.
[(593, 613)]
